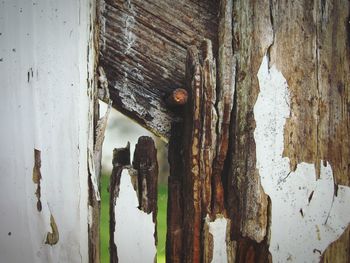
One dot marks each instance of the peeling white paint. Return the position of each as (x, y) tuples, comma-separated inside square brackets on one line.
[(134, 228), (218, 230), (95, 149), (45, 67), (301, 230)]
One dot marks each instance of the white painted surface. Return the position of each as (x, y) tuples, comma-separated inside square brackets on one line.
[(218, 231), (294, 237), (44, 105), (134, 228)]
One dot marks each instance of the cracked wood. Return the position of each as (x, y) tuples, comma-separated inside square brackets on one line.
[(143, 52)]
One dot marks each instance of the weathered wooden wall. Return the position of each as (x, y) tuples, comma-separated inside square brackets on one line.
[(266, 151)]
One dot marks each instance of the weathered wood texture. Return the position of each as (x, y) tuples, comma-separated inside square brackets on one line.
[(309, 42), (145, 168), (247, 202), (143, 51), (315, 58), (212, 148), (146, 165), (192, 152), (121, 158)]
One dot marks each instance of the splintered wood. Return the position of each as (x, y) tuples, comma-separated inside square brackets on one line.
[(121, 159), (143, 52), (146, 165), (140, 186), (192, 151)]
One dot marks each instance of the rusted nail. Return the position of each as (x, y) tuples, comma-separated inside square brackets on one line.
[(177, 97)]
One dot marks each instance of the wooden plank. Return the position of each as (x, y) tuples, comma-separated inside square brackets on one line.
[(143, 52)]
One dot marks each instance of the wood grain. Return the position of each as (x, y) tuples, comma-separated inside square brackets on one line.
[(143, 52)]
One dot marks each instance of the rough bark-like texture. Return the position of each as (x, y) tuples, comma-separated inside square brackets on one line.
[(143, 52), (145, 162), (121, 158), (184, 227), (247, 200), (191, 147), (226, 82), (192, 151), (208, 140)]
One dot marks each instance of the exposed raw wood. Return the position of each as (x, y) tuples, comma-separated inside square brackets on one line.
[(121, 158), (247, 202), (143, 52), (191, 154), (209, 129), (277, 63), (146, 165), (191, 146), (208, 244), (37, 177), (224, 104)]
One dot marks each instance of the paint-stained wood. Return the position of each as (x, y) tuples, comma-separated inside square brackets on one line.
[(308, 42), (314, 56), (252, 35), (143, 52), (212, 148), (121, 158)]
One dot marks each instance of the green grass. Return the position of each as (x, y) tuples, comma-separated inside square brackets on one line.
[(104, 224), (161, 221)]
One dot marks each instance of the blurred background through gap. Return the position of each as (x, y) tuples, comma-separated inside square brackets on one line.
[(119, 131)]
